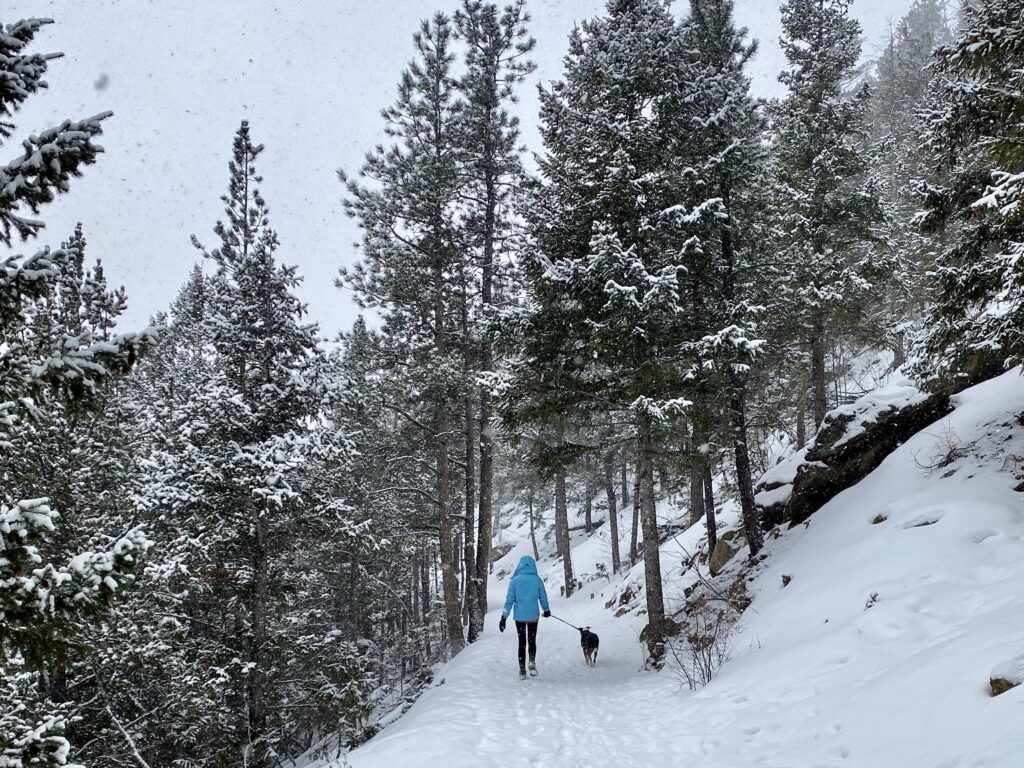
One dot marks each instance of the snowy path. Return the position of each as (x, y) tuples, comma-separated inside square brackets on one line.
[(570, 715), (903, 594)]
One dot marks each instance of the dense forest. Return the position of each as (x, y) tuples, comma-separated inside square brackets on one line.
[(224, 542)]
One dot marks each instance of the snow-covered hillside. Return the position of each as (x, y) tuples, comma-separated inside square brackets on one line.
[(902, 596)]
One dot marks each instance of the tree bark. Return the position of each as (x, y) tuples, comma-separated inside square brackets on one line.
[(471, 597), (491, 173), (414, 587), (738, 398), (709, 506), (562, 528), (625, 485), (651, 544), (697, 462), (751, 517), (442, 489), (485, 529), (801, 418), (899, 350), (633, 552), (696, 491), (449, 583), (819, 394), (613, 511)]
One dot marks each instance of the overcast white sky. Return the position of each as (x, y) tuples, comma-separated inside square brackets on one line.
[(310, 75)]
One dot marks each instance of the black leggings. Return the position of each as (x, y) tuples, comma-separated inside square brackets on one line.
[(526, 629)]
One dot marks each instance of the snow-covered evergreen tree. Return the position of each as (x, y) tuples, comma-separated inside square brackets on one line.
[(609, 315), (827, 210), (496, 49), (53, 364), (899, 89), (974, 205), (241, 464), (407, 202), (725, 155)]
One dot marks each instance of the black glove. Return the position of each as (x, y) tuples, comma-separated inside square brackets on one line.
[(547, 614), (501, 624)]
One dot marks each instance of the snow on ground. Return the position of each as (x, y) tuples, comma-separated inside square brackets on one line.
[(905, 593)]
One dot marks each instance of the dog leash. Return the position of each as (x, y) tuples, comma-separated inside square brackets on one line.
[(565, 622)]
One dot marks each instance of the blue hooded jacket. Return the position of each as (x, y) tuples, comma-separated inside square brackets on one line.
[(524, 591)]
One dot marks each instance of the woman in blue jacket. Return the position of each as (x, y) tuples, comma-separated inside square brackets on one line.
[(525, 590)]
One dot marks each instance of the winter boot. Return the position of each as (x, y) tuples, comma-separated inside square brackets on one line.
[(533, 668), (522, 673)]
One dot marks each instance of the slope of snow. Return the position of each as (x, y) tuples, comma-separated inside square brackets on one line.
[(877, 654)]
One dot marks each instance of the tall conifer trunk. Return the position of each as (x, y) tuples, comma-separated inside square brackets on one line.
[(634, 536), (651, 544), (819, 394), (470, 596), (442, 490), (562, 528), (485, 529), (801, 416), (697, 463), (613, 511), (588, 497), (696, 492), (709, 507), (738, 395)]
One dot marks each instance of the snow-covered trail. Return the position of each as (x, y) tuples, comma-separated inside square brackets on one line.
[(900, 597), (570, 715)]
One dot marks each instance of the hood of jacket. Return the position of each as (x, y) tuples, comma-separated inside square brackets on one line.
[(526, 565)]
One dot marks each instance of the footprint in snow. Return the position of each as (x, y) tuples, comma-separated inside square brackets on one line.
[(982, 535)]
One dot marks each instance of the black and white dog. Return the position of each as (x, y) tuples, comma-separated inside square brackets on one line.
[(589, 642)]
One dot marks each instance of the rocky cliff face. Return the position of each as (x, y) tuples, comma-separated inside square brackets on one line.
[(854, 439)]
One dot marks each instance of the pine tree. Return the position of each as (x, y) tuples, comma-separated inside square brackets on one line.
[(899, 89), (729, 163), (413, 265), (496, 45), (52, 367), (608, 316), (974, 206), (247, 465), (828, 210)]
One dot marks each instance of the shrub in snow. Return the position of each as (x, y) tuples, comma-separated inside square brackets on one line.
[(704, 643)]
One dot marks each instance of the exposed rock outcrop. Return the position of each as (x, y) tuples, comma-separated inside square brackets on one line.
[(854, 439), (1007, 676), (725, 550)]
